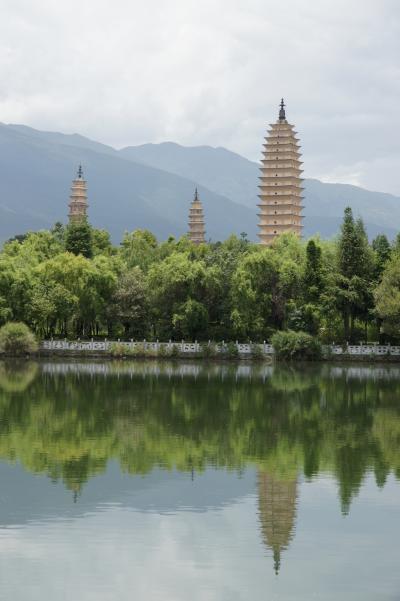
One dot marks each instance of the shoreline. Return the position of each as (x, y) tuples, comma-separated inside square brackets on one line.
[(269, 359)]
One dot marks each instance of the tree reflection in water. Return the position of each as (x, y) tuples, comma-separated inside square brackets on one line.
[(68, 420)]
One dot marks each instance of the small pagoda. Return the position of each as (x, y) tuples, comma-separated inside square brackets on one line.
[(280, 182), (78, 204), (196, 221)]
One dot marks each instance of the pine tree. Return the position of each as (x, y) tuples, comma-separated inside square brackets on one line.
[(354, 297), (312, 273), (351, 246), (383, 251)]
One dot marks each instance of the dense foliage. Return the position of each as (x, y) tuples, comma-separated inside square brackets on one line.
[(72, 282)]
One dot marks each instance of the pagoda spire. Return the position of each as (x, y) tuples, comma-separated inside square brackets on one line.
[(78, 199), (282, 113), (196, 220), (280, 182)]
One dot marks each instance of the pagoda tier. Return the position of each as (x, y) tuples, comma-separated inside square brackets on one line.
[(280, 185), (78, 204), (196, 221)]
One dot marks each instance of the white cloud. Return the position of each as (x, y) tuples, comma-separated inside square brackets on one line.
[(211, 72)]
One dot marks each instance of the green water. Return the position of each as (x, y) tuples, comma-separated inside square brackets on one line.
[(123, 481)]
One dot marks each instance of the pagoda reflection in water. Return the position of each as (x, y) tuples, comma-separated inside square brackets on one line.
[(277, 502)]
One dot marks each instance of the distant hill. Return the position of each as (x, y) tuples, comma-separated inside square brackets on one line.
[(150, 186), (36, 169), (225, 172), (231, 175)]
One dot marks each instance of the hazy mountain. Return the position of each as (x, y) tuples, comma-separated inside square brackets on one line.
[(36, 169), (231, 175), (225, 172), (150, 186)]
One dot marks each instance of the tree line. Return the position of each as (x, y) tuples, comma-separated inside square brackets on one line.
[(73, 282)]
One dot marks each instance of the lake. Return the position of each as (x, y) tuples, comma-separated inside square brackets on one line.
[(177, 481)]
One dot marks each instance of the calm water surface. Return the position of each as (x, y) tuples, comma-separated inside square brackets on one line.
[(122, 481)]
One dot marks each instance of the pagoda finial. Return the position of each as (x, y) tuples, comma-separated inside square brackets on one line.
[(282, 114), (196, 196), (277, 560), (80, 172)]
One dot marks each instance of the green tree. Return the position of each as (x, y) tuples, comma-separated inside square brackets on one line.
[(190, 320), (5, 311), (313, 272), (58, 232), (172, 282), (139, 249), (353, 288), (262, 286), (383, 251), (79, 240), (101, 242), (129, 304), (221, 260), (305, 313), (78, 289), (52, 306), (387, 297)]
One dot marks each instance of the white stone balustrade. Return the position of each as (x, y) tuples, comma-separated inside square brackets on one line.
[(183, 347), (364, 349), (196, 347)]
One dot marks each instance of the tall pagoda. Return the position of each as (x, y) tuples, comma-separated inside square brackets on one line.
[(78, 200), (196, 221), (280, 182)]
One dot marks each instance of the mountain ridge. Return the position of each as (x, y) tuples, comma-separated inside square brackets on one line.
[(127, 195), (151, 186)]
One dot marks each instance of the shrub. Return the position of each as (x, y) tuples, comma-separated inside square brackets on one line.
[(291, 345), (118, 350), (257, 352), (162, 351), (150, 352), (174, 351), (232, 350), (209, 350), (17, 339), (139, 350)]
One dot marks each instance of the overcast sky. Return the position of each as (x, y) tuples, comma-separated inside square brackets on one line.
[(212, 72)]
